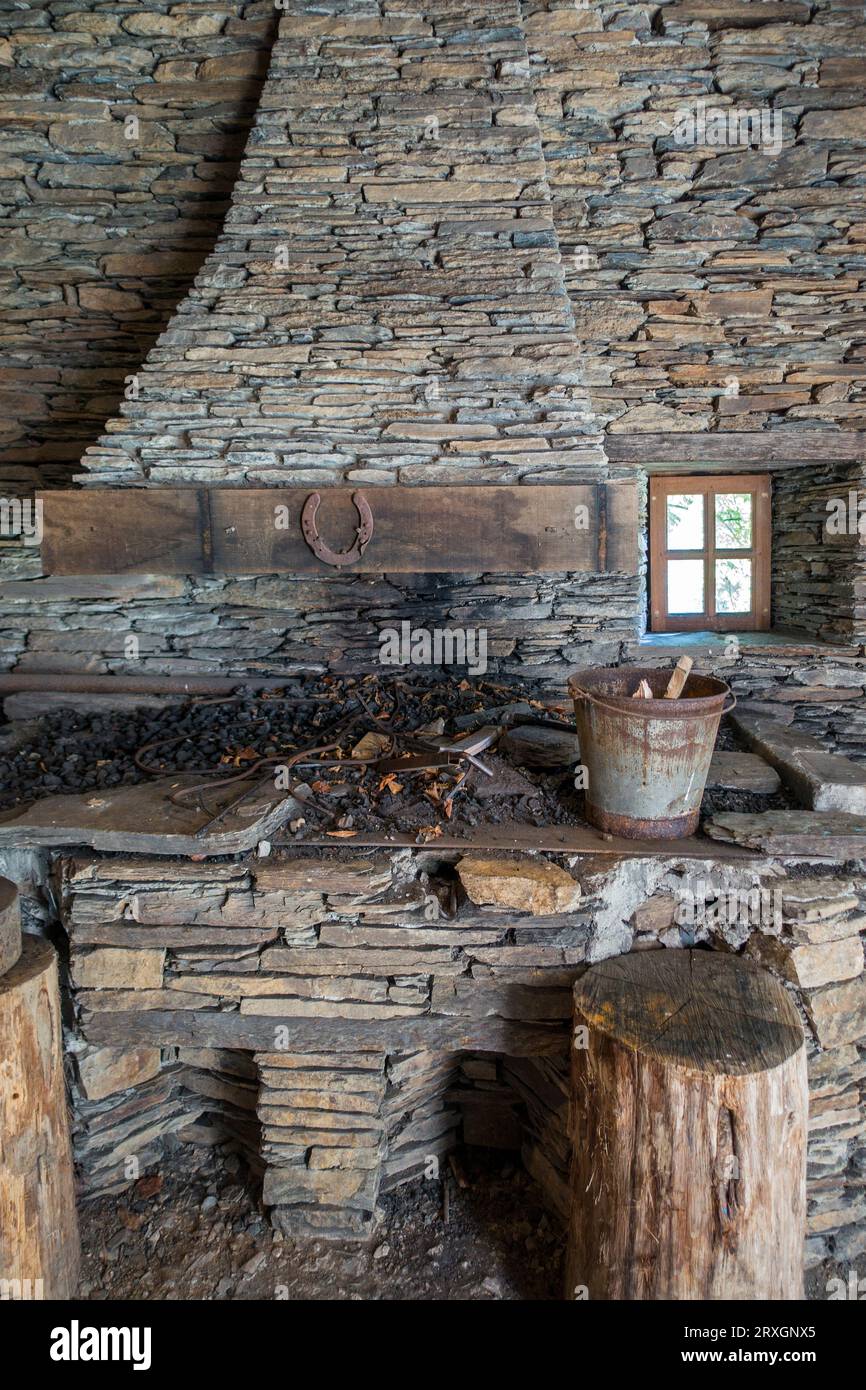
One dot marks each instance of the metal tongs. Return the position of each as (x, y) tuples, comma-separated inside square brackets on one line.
[(441, 750)]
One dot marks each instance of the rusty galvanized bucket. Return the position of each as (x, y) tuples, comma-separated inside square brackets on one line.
[(646, 760)]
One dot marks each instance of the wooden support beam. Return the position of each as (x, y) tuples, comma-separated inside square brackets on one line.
[(585, 527), (551, 839), (730, 449)]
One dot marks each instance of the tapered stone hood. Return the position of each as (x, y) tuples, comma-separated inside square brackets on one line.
[(386, 302)]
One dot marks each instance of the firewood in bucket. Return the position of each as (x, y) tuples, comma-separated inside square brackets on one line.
[(643, 691), (679, 678)]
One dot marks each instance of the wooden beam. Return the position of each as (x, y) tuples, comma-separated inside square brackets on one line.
[(583, 527), (784, 448)]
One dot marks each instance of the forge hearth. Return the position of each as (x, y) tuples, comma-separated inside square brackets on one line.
[(344, 995), (412, 755)]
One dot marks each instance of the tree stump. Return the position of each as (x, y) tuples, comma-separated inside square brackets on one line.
[(10, 925), (39, 1249), (689, 1118)]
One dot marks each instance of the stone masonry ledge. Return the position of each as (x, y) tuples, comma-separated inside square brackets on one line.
[(772, 644)]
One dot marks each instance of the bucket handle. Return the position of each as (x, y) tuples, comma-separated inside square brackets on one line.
[(615, 709)]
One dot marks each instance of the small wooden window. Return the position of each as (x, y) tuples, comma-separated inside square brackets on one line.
[(710, 553)]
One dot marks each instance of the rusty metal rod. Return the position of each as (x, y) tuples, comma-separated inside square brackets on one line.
[(138, 685)]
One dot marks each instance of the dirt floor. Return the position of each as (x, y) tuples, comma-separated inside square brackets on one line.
[(196, 1231)]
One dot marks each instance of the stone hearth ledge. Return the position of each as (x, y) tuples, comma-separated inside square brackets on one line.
[(326, 1015)]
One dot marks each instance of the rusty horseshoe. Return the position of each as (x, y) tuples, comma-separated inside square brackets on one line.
[(363, 531)]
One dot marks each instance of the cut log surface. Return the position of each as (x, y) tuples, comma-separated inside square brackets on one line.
[(39, 1248), (689, 1126)]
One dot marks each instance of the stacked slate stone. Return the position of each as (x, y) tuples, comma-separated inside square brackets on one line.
[(820, 950), (203, 958), (338, 1129), (326, 1016), (818, 586), (542, 1083), (819, 691), (498, 157), (716, 282), (386, 304), (123, 1106), (123, 126)]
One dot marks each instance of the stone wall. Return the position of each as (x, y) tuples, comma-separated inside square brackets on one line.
[(389, 300), (104, 224), (716, 286), (818, 584), (370, 1015)]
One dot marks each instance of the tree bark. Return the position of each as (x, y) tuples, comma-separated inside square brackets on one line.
[(39, 1248), (10, 925), (689, 1119)]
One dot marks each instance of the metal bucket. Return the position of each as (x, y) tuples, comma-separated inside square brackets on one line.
[(646, 760)]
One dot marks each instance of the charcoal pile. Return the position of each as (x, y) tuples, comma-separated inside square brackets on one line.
[(360, 755)]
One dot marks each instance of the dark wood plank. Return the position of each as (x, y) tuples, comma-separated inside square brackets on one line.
[(784, 448), (585, 527), (122, 531)]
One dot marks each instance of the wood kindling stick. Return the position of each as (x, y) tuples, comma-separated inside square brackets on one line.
[(679, 678), (643, 691)]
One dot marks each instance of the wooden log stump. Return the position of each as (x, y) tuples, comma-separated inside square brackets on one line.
[(39, 1247), (10, 925), (689, 1117)]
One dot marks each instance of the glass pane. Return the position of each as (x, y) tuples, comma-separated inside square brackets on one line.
[(686, 586), (733, 586), (685, 521), (733, 521)]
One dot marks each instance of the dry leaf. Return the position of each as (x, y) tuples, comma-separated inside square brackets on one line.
[(132, 1220), (430, 832), (341, 834), (389, 783)]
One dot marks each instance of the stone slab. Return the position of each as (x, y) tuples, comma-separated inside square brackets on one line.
[(820, 780), (142, 819), (794, 834), (742, 772)]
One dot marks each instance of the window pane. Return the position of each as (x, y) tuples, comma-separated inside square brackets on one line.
[(733, 521), (685, 521), (686, 586), (733, 586)]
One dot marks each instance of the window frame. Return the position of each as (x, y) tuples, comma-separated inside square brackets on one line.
[(709, 485)]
